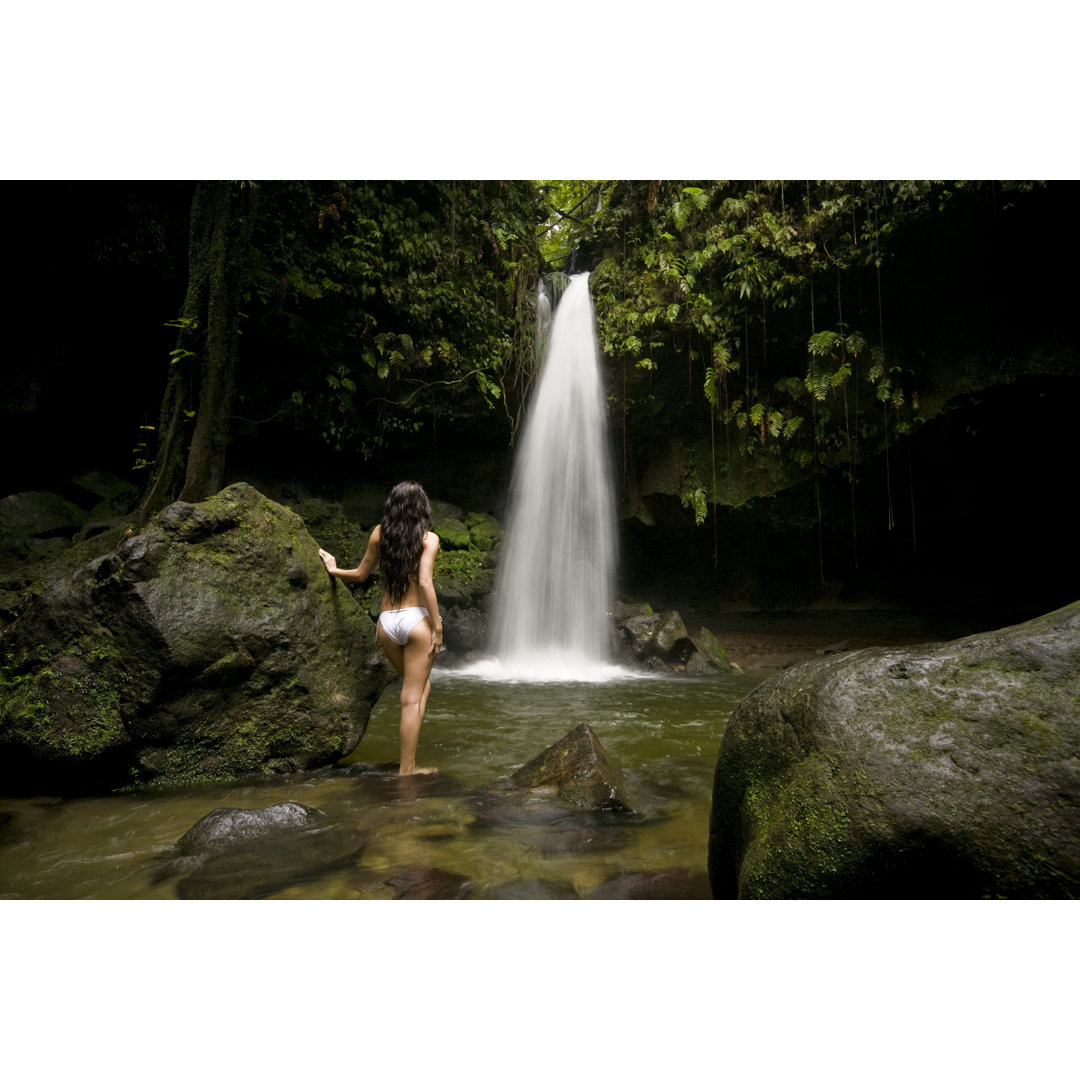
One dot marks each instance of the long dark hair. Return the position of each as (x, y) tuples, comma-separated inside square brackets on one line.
[(406, 517)]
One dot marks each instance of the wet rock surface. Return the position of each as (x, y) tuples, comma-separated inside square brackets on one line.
[(229, 828), (579, 770), (947, 771), (210, 645), (659, 641), (238, 854)]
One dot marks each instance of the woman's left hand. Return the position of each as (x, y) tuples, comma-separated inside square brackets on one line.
[(328, 560)]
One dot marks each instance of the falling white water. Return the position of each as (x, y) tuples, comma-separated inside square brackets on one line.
[(557, 570)]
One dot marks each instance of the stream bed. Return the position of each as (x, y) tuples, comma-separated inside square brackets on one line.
[(424, 836)]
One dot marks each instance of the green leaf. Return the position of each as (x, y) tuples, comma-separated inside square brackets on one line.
[(822, 343)]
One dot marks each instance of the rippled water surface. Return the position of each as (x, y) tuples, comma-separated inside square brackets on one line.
[(424, 836)]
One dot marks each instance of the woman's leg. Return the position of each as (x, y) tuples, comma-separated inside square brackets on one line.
[(415, 688), (413, 663)]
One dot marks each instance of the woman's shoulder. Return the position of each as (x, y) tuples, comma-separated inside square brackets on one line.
[(431, 539)]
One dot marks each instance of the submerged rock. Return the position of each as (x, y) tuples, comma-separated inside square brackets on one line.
[(235, 854), (579, 769), (210, 645), (228, 828), (654, 885), (429, 883), (530, 889), (948, 771)]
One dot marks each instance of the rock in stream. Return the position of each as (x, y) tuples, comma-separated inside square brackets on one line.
[(238, 854), (949, 771)]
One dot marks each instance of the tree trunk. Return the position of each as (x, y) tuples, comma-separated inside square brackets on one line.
[(201, 375)]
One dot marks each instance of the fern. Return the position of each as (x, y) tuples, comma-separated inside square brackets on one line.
[(699, 500), (697, 196), (822, 343), (712, 394), (840, 375), (818, 386), (792, 425), (877, 364)]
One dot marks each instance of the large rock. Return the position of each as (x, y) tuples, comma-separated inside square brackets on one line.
[(943, 772), (209, 645), (579, 769), (35, 525)]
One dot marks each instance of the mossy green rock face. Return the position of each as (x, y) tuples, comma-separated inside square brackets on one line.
[(944, 772), (453, 535), (484, 531), (707, 644), (210, 645)]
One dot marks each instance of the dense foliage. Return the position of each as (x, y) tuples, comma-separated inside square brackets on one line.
[(370, 312), (402, 304), (784, 330), (764, 300), (759, 337)]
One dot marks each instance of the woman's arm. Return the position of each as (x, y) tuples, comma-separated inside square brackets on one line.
[(426, 581), (367, 563)]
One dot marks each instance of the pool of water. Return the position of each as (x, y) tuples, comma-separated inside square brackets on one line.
[(427, 836)]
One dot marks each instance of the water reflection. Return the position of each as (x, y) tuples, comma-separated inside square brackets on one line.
[(423, 836)]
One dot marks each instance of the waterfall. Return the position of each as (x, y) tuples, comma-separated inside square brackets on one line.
[(556, 574)]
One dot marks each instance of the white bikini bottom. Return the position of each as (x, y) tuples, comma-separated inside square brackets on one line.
[(398, 624)]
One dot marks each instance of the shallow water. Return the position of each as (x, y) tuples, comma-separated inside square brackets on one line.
[(427, 835)]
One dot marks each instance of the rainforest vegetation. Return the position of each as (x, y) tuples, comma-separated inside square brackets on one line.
[(845, 370)]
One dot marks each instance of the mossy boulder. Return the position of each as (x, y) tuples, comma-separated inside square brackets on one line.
[(465, 579), (334, 530), (453, 534), (948, 771), (484, 532), (209, 645), (710, 648)]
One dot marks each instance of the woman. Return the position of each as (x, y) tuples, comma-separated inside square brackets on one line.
[(409, 629)]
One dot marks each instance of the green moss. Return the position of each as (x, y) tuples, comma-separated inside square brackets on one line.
[(453, 534), (458, 568), (484, 531), (797, 841), (707, 642)]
